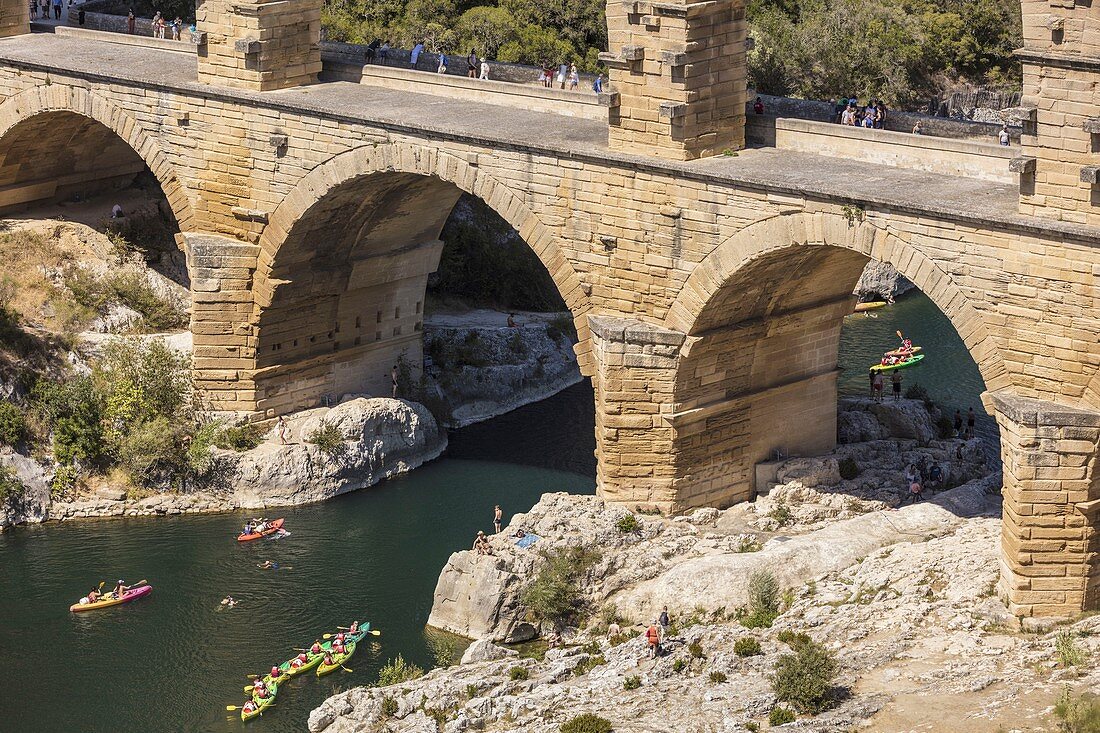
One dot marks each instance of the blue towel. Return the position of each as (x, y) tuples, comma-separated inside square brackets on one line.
[(524, 542)]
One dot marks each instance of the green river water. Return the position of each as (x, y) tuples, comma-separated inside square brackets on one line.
[(172, 661)]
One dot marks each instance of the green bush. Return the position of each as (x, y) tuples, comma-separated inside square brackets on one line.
[(717, 677), (329, 439), (781, 514), (695, 649), (748, 543), (1078, 714), (152, 453), (746, 646), (588, 664), (471, 691), (587, 723), (13, 424), (632, 682), (780, 716), (763, 600), (1069, 653), (628, 524), (396, 671), (553, 594), (146, 378), (794, 639), (517, 674), (679, 665), (389, 706), (849, 469), (803, 678), (945, 426), (11, 488), (240, 437)]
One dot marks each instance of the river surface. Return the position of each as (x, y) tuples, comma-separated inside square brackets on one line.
[(173, 660)]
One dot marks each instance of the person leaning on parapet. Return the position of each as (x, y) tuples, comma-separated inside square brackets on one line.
[(383, 53), (918, 129), (131, 20), (471, 64), (1003, 137), (415, 55), (372, 50), (597, 86)]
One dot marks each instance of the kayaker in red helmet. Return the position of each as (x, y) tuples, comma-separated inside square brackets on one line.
[(299, 660), (316, 648), (275, 672)]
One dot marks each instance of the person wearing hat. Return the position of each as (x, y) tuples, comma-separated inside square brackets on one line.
[(484, 69)]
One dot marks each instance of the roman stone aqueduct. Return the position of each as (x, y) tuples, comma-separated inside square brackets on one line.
[(708, 289)]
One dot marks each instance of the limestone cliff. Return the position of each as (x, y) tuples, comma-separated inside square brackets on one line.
[(881, 281)]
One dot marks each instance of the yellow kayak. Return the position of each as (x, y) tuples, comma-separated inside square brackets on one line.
[(261, 704), (870, 305), (106, 602), (337, 659)]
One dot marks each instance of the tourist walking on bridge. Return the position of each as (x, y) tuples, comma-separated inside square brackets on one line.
[(471, 64), (131, 21), (485, 69), (57, 9)]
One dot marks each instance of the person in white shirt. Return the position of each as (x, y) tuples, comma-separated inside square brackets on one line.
[(484, 69)]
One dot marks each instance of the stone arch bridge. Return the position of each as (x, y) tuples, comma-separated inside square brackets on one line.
[(708, 289)]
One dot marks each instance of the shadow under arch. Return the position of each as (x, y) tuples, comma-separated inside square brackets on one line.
[(758, 370), (61, 139), (343, 265)]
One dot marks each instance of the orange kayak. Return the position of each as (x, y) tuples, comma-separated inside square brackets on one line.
[(271, 528)]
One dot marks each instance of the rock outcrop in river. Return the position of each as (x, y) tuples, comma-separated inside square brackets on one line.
[(881, 281), (382, 437)]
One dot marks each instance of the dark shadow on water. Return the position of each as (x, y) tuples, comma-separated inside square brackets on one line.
[(556, 433)]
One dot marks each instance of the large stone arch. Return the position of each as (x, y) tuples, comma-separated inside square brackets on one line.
[(65, 99), (383, 192), (834, 230), (757, 371)]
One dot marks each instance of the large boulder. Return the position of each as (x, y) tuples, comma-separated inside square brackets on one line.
[(904, 419), (383, 437), (484, 650)]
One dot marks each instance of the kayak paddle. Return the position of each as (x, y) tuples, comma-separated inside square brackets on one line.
[(372, 632)]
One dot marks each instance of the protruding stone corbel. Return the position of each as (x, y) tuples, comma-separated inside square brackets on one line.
[(278, 141), (672, 110), (198, 38), (672, 58), (1019, 115), (1024, 165), (608, 99), (625, 58), (247, 45), (245, 214), (1091, 125), (1090, 174)]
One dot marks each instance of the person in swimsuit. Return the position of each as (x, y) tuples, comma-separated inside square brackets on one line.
[(498, 515), (393, 379)]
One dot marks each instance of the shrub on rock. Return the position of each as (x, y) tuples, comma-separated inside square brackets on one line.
[(587, 723), (803, 678), (746, 646)]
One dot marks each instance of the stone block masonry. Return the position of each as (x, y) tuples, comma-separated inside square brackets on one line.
[(707, 295)]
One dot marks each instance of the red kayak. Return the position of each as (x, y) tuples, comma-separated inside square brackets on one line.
[(271, 528)]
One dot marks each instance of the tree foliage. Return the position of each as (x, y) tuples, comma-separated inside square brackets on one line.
[(901, 52)]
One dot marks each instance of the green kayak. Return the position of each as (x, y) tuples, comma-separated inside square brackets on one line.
[(903, 364), (259, 705), (350, 642)]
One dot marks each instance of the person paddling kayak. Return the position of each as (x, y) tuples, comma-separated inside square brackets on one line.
[(120, 589), (316, 648), (328, 659), (298, 661), (93, 595)]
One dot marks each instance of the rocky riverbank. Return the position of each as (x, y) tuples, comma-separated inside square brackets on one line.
[(881, 281), (382, 437), (478, 367), (903, 597)]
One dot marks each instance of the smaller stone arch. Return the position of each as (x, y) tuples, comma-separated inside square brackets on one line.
[(399, 157), (76, 100), (823, 229)]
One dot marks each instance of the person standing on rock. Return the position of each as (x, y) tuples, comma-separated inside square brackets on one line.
[(393, 378), (915, 491), (498, 515), (282, 428), (653, 638), (970, 419), (876, 387), (871, 381), (895, 380), (958, 424), (663, 620)]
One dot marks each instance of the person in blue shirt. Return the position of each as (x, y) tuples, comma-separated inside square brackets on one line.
[(417, 50), (597, 86)]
